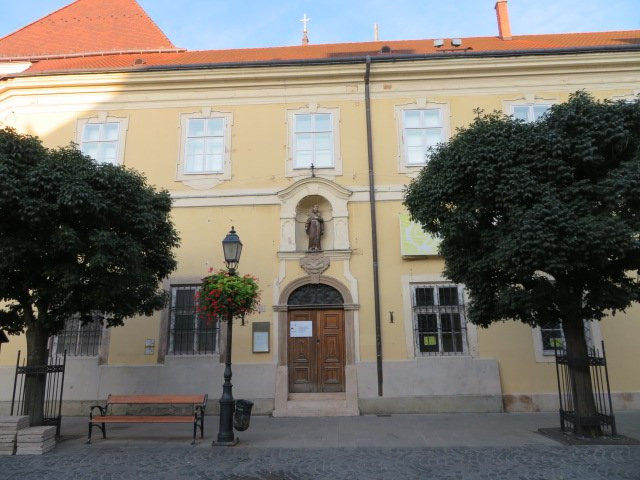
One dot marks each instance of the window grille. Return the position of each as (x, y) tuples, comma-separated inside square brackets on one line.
[(80, 340), (439, 320), (189, 332), (553, 337)]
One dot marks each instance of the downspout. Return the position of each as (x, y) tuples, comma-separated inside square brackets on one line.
[(374, 228)]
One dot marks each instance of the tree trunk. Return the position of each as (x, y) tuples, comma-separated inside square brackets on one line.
[(587, 423), (35, 382)]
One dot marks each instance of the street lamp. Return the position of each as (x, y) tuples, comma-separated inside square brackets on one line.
[(232, 247)]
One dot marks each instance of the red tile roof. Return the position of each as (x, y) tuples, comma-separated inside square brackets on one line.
[(87, 26), (141, 61)]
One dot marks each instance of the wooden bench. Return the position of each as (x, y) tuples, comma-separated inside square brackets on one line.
[(198, 403)]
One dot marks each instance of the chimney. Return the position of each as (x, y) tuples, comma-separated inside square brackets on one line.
[(502, 13)]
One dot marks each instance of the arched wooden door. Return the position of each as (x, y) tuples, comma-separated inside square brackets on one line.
[(315, 340)]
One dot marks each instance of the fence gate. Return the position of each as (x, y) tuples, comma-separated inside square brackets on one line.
[(599, 383), (53, 372)]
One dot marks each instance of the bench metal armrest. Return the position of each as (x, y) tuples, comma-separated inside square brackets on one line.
[(103, 410)]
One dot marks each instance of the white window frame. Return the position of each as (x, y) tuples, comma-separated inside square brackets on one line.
[(412, 169), (438, 310), (204, 179), (530, 100), (530, 110), (291, 169), (196, 330), (101, 119), (548, 356)]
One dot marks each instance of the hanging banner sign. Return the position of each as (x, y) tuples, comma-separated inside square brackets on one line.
[(302, 328), (414, 242)]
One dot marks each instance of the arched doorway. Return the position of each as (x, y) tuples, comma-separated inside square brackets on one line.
[(316, 339)]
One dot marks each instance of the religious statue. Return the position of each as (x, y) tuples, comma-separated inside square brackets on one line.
[(314, 228)]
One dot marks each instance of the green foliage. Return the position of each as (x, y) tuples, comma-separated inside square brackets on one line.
[(77, 237), (222, 294), (539, 221)]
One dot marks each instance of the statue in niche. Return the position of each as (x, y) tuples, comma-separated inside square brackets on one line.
[(314, 228)]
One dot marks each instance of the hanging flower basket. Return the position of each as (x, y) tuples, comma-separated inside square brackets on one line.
[(222, 294)]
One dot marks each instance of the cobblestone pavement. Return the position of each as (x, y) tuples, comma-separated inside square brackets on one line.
[(169, 461)]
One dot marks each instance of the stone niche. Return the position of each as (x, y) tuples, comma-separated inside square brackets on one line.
[(302, 213), (296, 203)]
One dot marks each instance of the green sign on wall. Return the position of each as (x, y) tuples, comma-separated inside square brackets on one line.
[(413, 241)]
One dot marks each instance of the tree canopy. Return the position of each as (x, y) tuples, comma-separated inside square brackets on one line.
[(540, 221), (77, 237)]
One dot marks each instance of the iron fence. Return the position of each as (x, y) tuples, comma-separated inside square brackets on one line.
[(53, 373), (601, 391)]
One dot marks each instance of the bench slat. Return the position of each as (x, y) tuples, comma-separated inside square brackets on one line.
[(143, 419), (156, 399)]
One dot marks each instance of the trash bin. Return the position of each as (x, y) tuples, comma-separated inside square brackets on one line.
[(242, 415)]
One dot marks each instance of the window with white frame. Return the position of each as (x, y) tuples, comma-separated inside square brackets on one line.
[(439, 319), (77, 338), (552, 337), (313, 141), (100, 141), (190, 333), (421, 130), (529, 112), (205, 145)]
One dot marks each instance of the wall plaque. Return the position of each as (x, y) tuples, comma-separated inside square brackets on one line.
[(303, 328)]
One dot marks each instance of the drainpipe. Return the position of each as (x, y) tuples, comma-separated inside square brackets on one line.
[(374, 228)]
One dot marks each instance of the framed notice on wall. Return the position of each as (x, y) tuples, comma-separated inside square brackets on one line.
[(302, 328), (414, 242), (260, 334)]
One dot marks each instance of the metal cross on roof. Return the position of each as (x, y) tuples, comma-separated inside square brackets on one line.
[(304, 21)]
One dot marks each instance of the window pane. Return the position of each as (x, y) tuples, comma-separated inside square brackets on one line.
[(108, 152), (183, 334), (416, 155), (206, 335), (431, 118), (323, 122), (91, 132), (213, 163), (110, 131), (414, 138), (195, 163), (433, 137), (323, 158), (304, 141), (215, 127), (90, 149), (195, 146), (214, 145), (552, 338), (303, 123), (412, 119), (521, 112), (448, 295), (303, 159), (539, 110), (196, 127), (323, 141), (428, 333), (424, 296)]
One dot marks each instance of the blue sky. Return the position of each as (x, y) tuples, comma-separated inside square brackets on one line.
[(208, 24)]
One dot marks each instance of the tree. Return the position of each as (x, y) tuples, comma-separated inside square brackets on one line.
[(541, 221), (76, 238)]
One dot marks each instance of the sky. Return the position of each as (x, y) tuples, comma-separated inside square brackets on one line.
[(210, 24)]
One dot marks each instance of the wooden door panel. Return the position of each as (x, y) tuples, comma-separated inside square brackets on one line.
[(302, 356), (331, 350)]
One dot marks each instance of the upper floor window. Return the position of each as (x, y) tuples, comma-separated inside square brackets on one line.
[(439, 319), (421, 130), (77, 338), (205, 146), (189, 332), (103, 138), (529, 112), (100, 141), (313, 140)]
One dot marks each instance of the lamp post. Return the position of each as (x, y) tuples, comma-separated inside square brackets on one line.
[(232, 247)]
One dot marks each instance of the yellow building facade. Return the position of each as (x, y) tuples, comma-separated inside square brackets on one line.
[(234, 144)]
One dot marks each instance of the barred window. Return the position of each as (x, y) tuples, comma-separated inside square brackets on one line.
[(438, 320), (553, 337), (189, 332), (78, 339)]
